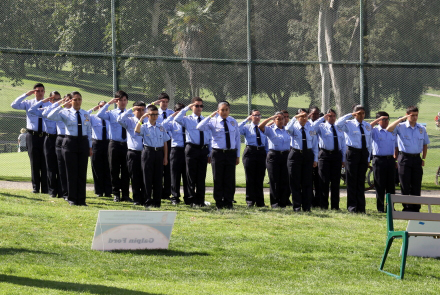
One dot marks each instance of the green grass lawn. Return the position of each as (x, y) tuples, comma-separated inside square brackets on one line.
[(45, 249)]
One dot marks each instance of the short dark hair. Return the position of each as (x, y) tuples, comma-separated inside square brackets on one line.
[(284, 111), (164, 95), (121, 94), (73, 93), (303, 110), (196, 99), (279, 113), (55, 93), (178, 106), (412, 109), (331, 111), (313, 108), (101, 101), (38, 85), (357, 108), (152, 107), (139, 104), (381, 113), (223, 102), (68, 95), (254, 110)]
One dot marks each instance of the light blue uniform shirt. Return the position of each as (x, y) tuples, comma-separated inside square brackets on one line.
[(154, 136), (190, 124), (250, 136), (31, 120), (279, 139), (128, 121), (175, 129), (41, 112), (353, 136), (384, 142), (112, 117), (326, 138), (217, 127), (294, 129), (411, 139), (61, 127), (69, 117), (97, 127)]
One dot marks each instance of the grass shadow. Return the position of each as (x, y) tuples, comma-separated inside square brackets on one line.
[(13, 251), (67, 286), (20, 197), (164, 252)]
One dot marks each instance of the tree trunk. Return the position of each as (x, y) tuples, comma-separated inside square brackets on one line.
[(323, 68)]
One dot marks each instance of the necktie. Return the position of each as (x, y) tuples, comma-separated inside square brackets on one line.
[(257, 133), (80, 129), (40, 122), (202, 136), (124, 132), (228, 139), (164, 114), (364, 142), (104, 130), (304, 139), (184, 135), (335, 139)]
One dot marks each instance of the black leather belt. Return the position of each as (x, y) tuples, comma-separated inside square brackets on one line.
[(383, 157), (329, 151), (409, 155), (299, 151), (150, 148), (255, 148), (353, 148), (51, 135), (178, 147), (225, 150), (40, 134), (61, 135), (118, 142), (198, 146), (280, 152)]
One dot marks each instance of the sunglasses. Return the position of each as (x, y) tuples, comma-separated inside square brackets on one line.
[(198, 106), (256, 116)]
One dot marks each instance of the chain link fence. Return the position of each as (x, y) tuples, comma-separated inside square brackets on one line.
[(269, 55)]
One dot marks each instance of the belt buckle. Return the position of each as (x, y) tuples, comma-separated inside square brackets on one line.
[(155, 149), (40, 135)]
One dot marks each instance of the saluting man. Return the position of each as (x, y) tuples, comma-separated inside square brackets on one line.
[(77, 147), (225, 153), (254, 159), (197, 151), (316, 200), (177, 156), (302, 158), (100, 163), (276, 159), (117, 149), (384, 159), (129, 120), (164, 113), (412, 139), (35, 136), (53, 179), (358, 141), (331, 158), (154, 155)]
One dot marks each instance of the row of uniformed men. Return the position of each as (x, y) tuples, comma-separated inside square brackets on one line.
[(302, 144)]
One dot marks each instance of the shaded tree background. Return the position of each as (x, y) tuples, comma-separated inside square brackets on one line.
[(304, 32)]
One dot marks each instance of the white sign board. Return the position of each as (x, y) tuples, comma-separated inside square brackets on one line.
[(423, 246), (133, 230)]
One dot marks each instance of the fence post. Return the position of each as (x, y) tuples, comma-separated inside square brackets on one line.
[(249, 56), (114, 60), (361, 53)]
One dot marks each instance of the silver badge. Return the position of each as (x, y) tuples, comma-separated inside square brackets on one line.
[(368, 127), (421, 130), (232, 123), (161, 129)]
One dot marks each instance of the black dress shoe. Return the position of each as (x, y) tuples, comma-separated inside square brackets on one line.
[(274, 206), (35, 191), (71, 203), (44, 192), (250, 205), (137, 204), (116, 198), (53, 196), (84, 205), (174, 202), (108, 196), (99, 195), (297, 209)]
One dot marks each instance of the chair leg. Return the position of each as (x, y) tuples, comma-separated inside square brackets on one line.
[(385, 254), (404, 253)]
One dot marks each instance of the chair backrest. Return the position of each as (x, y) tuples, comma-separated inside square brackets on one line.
[(403, 215)]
